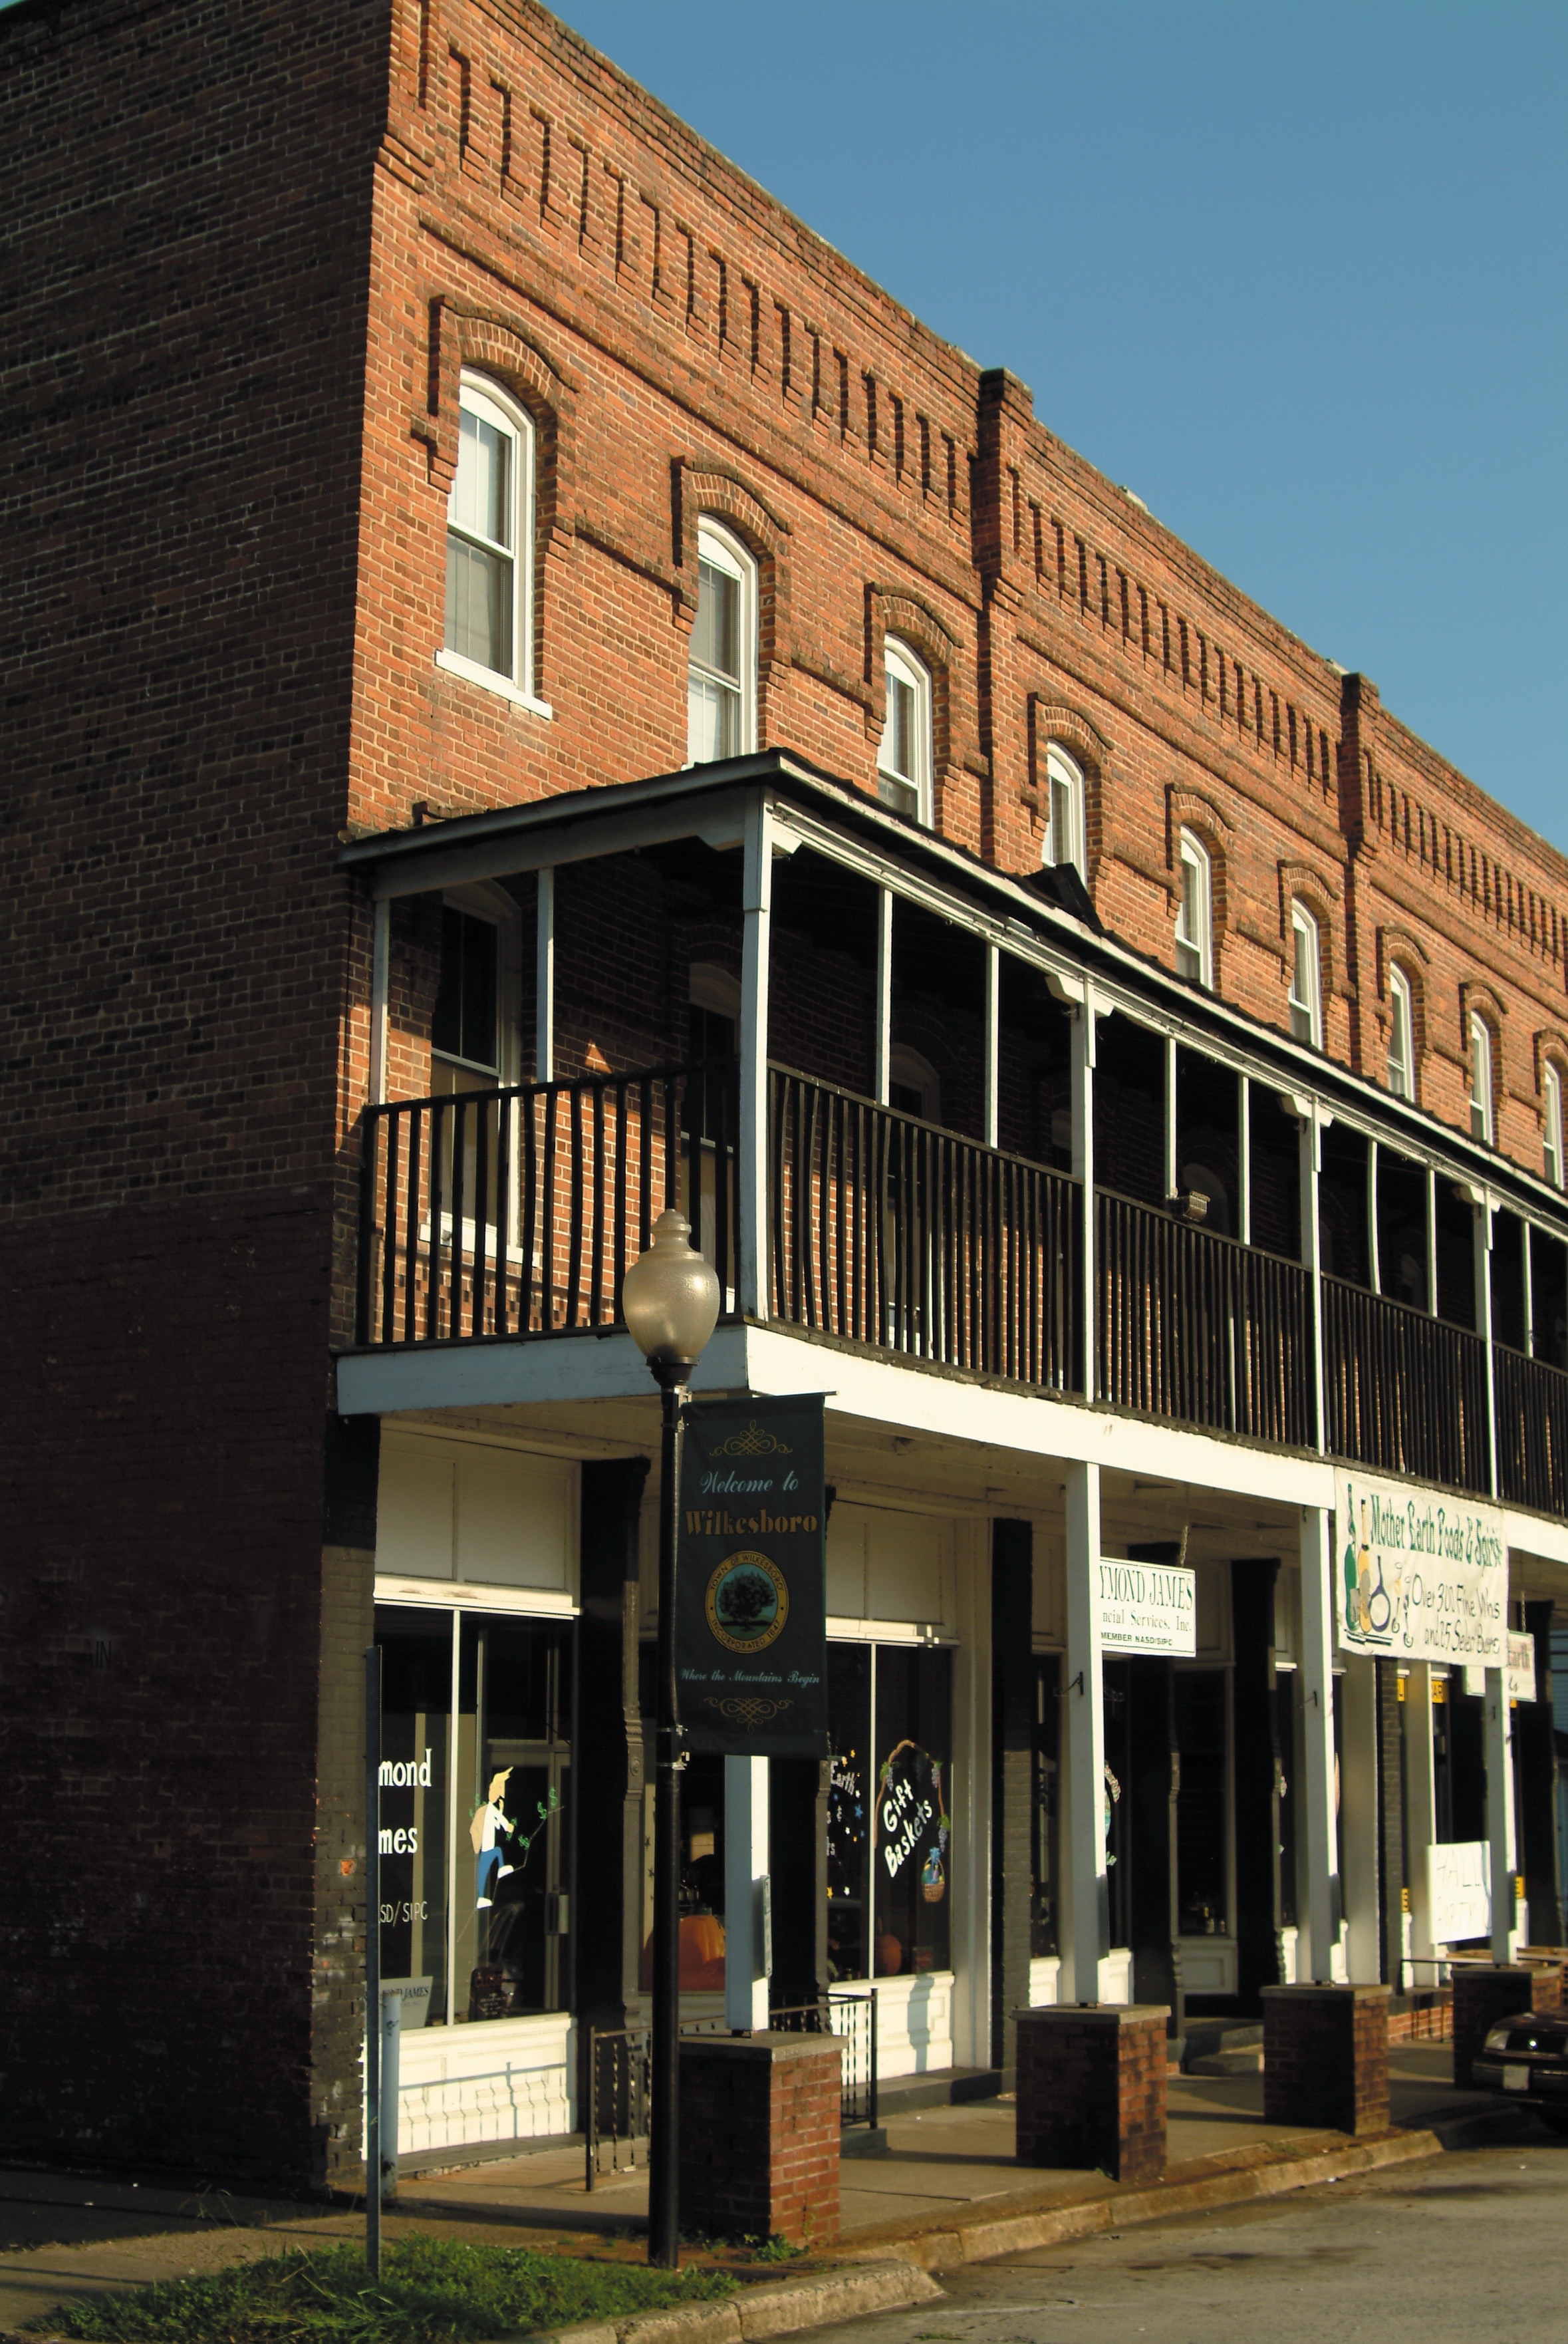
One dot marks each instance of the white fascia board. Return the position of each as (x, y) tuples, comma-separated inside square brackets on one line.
[(717, 818), (873, 1390), (1530, 1534)]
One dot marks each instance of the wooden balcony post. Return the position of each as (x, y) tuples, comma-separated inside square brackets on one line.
[(1484, 1225), (1083, 1017), (992, 1041), (1319, 1882), (1312, 1254), (883, 1051), (380, 985), (545, 981), (757, 898), (1084, 1698)]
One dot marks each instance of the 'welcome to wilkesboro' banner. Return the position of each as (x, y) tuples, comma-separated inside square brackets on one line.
[(751, 1614)]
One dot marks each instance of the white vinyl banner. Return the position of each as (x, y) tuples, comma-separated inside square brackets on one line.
[(1147, 1606), (1419, 1573)]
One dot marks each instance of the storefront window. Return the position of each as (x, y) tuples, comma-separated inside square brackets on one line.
[(1202, 1818), (1043, 1859), (475, 1813), (889, 1820)]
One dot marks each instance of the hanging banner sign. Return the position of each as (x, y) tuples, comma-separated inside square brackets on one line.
[(1146, 1607), (1419, 1573), (751, 1617), (1458, 1891), (1519, 1670)]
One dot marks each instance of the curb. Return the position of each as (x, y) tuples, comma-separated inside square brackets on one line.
[(760, 2311)]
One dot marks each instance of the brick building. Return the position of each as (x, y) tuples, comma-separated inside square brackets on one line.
[(500, 615)]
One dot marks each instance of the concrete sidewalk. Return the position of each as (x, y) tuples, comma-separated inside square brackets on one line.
[(948, 2173)]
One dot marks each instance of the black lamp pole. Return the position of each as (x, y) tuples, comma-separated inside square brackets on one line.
[(664, 2129)]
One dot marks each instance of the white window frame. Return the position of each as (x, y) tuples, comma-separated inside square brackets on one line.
[(716, 546), (1064, 828), (1306, 1000), (1400, 1035), (478, 396), (1195, 913), (901, 664), (1482, 1094), (1552, 1122)]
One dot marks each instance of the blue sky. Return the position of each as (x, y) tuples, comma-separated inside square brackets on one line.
[(1295, 274)]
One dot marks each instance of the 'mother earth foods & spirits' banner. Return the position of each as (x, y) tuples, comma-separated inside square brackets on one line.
[(751, 1619), (1419, 1573)]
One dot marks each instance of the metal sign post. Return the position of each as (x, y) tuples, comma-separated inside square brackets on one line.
[(373, 1960)]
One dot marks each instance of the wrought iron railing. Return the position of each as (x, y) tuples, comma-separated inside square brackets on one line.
[(515, 1212), (852, 2017), (1200, 1327), (1532, 1400), (888, 1232), (1404, 1392), (618, 2070)]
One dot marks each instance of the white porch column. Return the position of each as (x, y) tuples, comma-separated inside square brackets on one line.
[(1312, 1256), (1500, 1812), (1359, 1801), (1088, 1939), (1483, 1227), (1083, 1051), (883, 1039), (745, 1957), (992, 1042), (545, 981), (1319, 1850), (757, 901), (381, 988), (1419, 1816)]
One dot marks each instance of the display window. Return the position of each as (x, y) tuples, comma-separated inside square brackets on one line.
[(889, 1827), (475, 1813)]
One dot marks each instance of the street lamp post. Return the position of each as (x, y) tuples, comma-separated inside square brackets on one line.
[(671, 1298)]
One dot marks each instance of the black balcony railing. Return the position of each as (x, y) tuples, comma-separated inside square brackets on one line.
[(1404, 1392), (1201, 1327), (891, 1232), (515, 1212), (1532, 1431)]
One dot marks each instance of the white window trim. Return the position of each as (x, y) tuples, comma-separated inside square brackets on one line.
[(716, 545), (899, 661), (1304, 924), (484, 900), (1194, 855), (1482, 1081), (1401, 1030), (1552, 1119), (1062, 768), (483, 398)]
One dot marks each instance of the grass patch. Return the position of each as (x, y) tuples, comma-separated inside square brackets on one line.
[(431, 2291)]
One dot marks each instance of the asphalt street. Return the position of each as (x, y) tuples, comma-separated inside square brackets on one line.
[(1472, 2245)]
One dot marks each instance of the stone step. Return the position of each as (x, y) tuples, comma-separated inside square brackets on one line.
[(1247, 2061)]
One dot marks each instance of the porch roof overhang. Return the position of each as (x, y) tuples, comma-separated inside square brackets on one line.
[(711, 803)]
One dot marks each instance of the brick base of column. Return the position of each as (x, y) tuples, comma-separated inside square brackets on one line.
[(1325, 2057), (1484, 1992), (760, 2123), (1092, 2087)]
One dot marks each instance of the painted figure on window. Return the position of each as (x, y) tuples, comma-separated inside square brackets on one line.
[(489, 1830)]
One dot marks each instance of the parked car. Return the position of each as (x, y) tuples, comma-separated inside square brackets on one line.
[(1527, 2057)]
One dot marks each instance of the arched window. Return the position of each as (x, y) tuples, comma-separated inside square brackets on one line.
[(1064, 815), (1195, 915), (721, 671), (1552, 1122), (1481, 1091), (489, 632), (1401, 1035), (914, 1087), (904, 759), (1306, 977)]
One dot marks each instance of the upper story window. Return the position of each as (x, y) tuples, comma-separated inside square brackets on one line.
[(1195, 918), (489, 545), (914, 1087), (466, 1029), (1306, 977), (1552, 1117), (1064, 818), (904, 759), (1401, 1035), (721, 671), (1481, 1092)]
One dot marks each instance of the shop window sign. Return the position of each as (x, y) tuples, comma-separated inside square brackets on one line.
[(890, 1819)]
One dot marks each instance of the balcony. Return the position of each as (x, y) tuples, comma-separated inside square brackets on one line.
[(512, 1214)]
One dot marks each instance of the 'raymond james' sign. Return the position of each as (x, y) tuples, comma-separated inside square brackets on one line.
[(1418, 1573), (750, 1615), (1146, 1607)]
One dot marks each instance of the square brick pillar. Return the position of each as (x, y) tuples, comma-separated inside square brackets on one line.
[(759, 2124), (1325, 2057), (1092, 2087), (1484, 1992)]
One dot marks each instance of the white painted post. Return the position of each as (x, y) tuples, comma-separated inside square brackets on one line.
[(1172, 1169), (883, 1052), (1500, 1812), (1358, 1793), (1419, 1816), (1084, 1045), (746, 1889), (381, 988), (1374, 1252), (757, 899), (992, 1041), (1084, 1700), (1483, 1320), (1430, 1243), (1320, 1878), (1311, 1254), (545, 981), (1244, 1134), (1527, 1266)]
